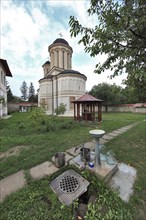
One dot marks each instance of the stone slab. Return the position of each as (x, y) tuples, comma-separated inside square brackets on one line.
[(11, 184), (123, 181), (103, 141), (44, 169), (74, 151), (91, 145), (67, 158), (113, 134), (105, 171), (123, 129), (118, 131), (107, 137)]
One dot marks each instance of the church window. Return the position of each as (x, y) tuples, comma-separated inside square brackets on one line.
[(52, 59), (63, 59), (57, 58), (68, 61)]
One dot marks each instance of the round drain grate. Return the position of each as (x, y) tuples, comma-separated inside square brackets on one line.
[(69, 184)]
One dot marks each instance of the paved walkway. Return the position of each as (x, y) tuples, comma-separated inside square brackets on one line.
[(18, 180)]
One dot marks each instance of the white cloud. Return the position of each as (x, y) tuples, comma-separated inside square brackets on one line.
[(29, 27)]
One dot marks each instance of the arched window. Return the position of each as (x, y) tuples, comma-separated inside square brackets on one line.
[(57, 58), (52, 58), (68, 61), (63, 59)]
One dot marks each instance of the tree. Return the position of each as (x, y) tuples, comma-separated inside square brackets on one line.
[(31, 93), (23, 90), (10, 96), (61, 109), (136, 87), (110, 94), (120, 33)]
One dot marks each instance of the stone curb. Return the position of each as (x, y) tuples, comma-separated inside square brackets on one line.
[(11, 184)]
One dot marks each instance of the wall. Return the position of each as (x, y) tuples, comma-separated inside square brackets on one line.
[(13, 107), (129, 108)]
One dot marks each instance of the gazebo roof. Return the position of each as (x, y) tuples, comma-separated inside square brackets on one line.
[(87, 98)]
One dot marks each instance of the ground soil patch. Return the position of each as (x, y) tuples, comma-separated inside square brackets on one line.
[(13, 151)]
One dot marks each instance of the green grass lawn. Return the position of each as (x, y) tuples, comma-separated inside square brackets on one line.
[(41, 140)]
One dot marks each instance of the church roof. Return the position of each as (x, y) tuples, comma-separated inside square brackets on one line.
[(71, 72), (60, 40), (6, 67), (47, 62), (88, 98)]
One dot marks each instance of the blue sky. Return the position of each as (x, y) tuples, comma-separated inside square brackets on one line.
[(28, 27)]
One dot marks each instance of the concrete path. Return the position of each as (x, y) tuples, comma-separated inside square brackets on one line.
[(16, 181)]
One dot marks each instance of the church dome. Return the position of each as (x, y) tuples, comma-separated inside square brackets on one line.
[(60, 40), (70, 71)]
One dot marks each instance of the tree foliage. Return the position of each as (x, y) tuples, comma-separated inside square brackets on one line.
[(110, 94), (10, 96), (120, 33), (24, 91), (31, 93), (136, 87), (61, 109)]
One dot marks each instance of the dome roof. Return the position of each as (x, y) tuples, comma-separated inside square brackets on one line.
[(47, 62), (60, 40), (70, 71)]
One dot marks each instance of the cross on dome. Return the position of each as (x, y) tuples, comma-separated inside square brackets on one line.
[(60, 34)]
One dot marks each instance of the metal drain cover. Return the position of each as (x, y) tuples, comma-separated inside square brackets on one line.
[(69, 186)]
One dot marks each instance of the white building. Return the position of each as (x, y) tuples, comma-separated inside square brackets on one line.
[(4, 71), (60, 83)]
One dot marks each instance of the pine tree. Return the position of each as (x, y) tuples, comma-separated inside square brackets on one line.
[(23, 90), (31, 93), (10, 96)]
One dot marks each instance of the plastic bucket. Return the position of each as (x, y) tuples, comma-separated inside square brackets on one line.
[(59, 159)]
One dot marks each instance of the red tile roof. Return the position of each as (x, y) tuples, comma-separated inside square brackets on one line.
[(87, 98), (139, 105)]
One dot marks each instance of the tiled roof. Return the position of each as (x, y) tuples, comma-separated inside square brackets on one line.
[(88, 98), (27, 104), (139, 105)]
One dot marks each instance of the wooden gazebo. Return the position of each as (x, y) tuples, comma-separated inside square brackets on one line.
[(84, 108)]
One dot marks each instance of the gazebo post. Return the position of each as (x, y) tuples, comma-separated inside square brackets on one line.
[(99, 112), (86, 112), (94, 112), (78, 111), (74, 111)]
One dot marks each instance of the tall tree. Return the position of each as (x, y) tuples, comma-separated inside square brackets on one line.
[(110, 94), (120, 33), (24, 91), (136, 87), (10, 96), (31, 93)]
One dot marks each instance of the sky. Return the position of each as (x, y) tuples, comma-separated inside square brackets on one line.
[(28, 27)]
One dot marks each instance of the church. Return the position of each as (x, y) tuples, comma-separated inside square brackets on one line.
[(60, 83)]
